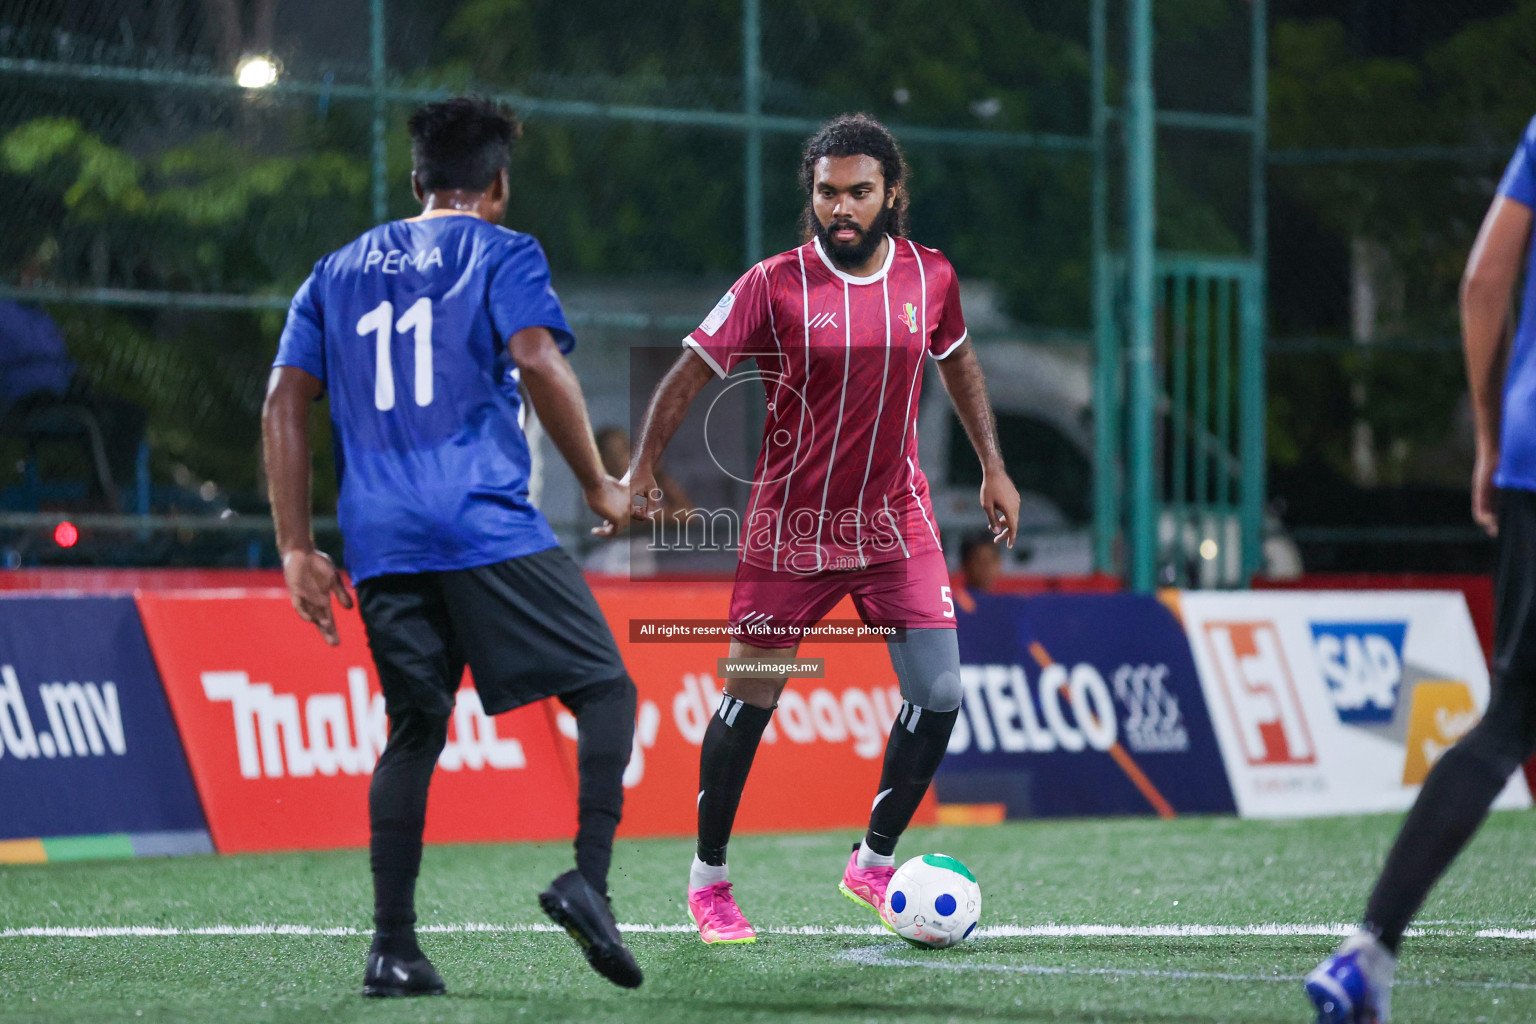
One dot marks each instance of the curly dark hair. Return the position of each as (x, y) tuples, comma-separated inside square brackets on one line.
[(462, 143), (856, 134)]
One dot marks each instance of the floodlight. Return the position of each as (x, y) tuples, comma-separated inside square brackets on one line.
[(256, 71)]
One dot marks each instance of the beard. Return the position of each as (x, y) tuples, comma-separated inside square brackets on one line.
[(858, 252)]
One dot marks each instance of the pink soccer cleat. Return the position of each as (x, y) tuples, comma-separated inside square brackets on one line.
[(719, 919), (866, 886)]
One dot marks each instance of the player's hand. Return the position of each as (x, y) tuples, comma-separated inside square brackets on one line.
[(609, 498), (1000, 500), (1485, 497), (312, 578), (644, 495)]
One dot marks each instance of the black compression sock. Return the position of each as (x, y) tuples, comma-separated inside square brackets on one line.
[(397, 810), (605, 728), (1455, 799), (730, 743), (395, 857), (918, 740)]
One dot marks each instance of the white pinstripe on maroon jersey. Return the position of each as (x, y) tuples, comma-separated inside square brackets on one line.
[(837, 483)]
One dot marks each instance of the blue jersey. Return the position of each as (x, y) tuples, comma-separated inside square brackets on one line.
[(1517, 442), (407, 329)]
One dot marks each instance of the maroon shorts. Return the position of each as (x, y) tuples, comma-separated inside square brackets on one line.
[(773, 609)]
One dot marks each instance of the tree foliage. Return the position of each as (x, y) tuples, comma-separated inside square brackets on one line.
[(1452, 113), (238, 193)]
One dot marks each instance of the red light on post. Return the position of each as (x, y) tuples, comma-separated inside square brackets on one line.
[(66, 535)]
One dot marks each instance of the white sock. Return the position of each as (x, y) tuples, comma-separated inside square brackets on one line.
[(701, 874), (868, 858), (1379, 966)]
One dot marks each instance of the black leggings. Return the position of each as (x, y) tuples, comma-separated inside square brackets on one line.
[(397, 796), (1468, 778)]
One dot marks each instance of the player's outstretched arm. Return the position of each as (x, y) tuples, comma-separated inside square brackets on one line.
[(967, 387), (556, 396), (310, 574), (663, 414), (1487, 300)]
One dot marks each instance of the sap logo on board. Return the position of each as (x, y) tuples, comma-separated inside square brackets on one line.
[(342, 732), (84, 720), (1362, 664), (1068, 709), (1260, 693)]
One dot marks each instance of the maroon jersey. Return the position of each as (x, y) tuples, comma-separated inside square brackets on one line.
[(837, 483)]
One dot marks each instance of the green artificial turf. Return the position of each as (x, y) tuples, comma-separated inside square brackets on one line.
[(1122, 873)]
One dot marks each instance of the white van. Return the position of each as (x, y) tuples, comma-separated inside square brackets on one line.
[(1043, 397)]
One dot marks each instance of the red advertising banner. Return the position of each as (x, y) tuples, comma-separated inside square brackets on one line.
[(282, 733), (819, 763)]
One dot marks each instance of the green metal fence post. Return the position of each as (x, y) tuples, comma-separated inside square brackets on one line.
[(1182, 444), (752, 103), (1250, 433), (376, 84), (1203, 432), (1254, 450), (1106, 355), (1141, 221), (1223, 501)]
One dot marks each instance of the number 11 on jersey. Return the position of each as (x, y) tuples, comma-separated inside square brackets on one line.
[(378, 322)]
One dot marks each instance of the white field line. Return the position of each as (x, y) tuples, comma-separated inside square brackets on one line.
[(1044, 931), (882, 956)]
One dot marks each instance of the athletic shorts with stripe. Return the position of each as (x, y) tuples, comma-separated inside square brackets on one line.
[(772, 609)]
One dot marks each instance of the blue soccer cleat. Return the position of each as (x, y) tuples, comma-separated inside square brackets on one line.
[(1354, 985)]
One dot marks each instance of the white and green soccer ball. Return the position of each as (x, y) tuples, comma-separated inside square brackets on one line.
[(933, 901)]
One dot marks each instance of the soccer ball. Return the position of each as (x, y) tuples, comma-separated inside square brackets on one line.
[(933, 901)]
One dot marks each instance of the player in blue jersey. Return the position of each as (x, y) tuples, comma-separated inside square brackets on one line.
[(422, 333), (1354, 986)]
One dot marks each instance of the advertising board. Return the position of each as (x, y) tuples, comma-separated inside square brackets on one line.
[(1337, 702), (1080, 705), (87, 744), (282, 732), (819, 762)]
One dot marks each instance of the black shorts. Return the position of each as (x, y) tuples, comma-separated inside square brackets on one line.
[(1514, 591), (528, 628)]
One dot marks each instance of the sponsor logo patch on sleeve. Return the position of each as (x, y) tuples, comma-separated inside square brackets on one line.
[(717, 315)]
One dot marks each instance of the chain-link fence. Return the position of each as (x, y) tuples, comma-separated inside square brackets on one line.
[(1389, 129), (161, 213)]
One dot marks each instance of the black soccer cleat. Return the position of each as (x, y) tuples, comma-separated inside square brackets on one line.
[(586, 916), (389, 976)]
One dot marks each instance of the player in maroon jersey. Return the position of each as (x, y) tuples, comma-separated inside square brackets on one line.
[(839, 328)]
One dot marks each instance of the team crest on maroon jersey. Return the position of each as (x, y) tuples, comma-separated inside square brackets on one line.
[(908, 316)]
